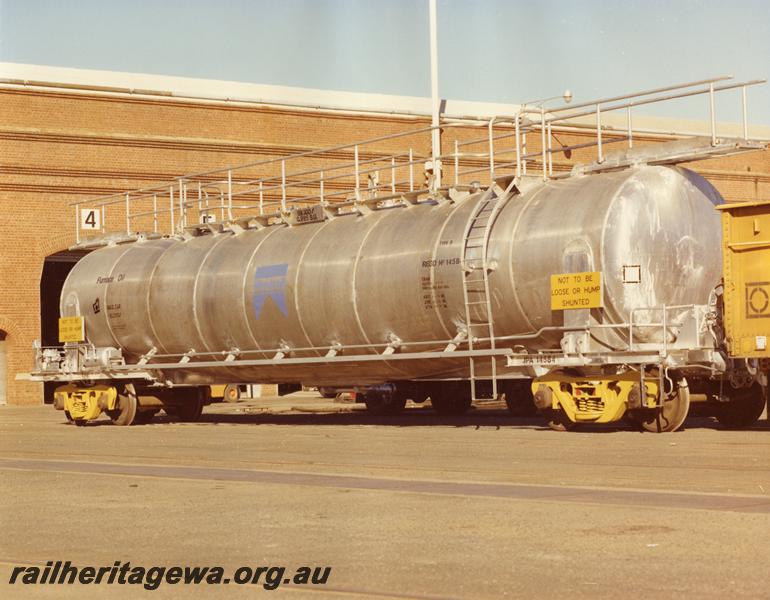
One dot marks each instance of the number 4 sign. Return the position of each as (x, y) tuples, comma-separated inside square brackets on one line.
[(90, 218)]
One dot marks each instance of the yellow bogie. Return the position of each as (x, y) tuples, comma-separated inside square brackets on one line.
[(594, 399), (85, 404)]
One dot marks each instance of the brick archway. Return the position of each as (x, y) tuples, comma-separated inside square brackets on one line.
[(11, 338), (10, 328), (52, 245)]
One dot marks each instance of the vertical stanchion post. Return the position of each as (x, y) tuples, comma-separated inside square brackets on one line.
[(517, 135), (77, 223), (524, 152), (104, 217), (155, 213), (171, 207), (321, 188), (491, 141), (457, 164), (599, 153), (182, 205), (358, 175), (745, 114), (200, 204), (550, 151), (261, 207), (393, 175), (283, 185), (411, 170), (630, 128), (128, 214), (713, 115), (543, 143), (229, 194)]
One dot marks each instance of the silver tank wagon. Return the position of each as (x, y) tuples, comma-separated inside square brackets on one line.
[(372, 300), (395, 275), (592, 295)]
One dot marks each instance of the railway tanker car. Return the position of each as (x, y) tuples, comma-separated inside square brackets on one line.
[(592, 297)]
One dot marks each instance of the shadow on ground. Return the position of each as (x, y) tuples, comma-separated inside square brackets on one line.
[(412, 417)]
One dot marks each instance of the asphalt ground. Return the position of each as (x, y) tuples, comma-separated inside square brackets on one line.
[(413, 506)]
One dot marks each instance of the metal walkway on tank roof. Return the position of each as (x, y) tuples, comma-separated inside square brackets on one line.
[(399, 169)]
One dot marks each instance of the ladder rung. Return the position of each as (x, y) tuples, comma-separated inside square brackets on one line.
[(477, 291), (477, 302)]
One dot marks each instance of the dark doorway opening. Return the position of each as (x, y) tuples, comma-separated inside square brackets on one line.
[(3, 368), (55, 270)]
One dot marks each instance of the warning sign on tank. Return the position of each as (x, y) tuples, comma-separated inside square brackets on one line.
[(576, 290), (72, 329)]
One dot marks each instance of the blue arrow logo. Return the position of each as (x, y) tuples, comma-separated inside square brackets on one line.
[(270, 282)]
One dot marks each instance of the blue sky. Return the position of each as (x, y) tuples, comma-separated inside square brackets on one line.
[(489, 50)]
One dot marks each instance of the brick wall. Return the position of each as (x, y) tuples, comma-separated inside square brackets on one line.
[(58, 147)]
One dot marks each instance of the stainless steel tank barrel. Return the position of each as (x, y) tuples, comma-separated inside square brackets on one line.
[(396, 274)]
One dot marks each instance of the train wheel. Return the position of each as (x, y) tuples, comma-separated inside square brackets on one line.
[(743, 409), (384, 401), (673, 412), (559, 421), (187, 410), (232, 393), (451, 399), (327, 392), (634, 417), (145, 416), (125, 413), (518, 398)]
